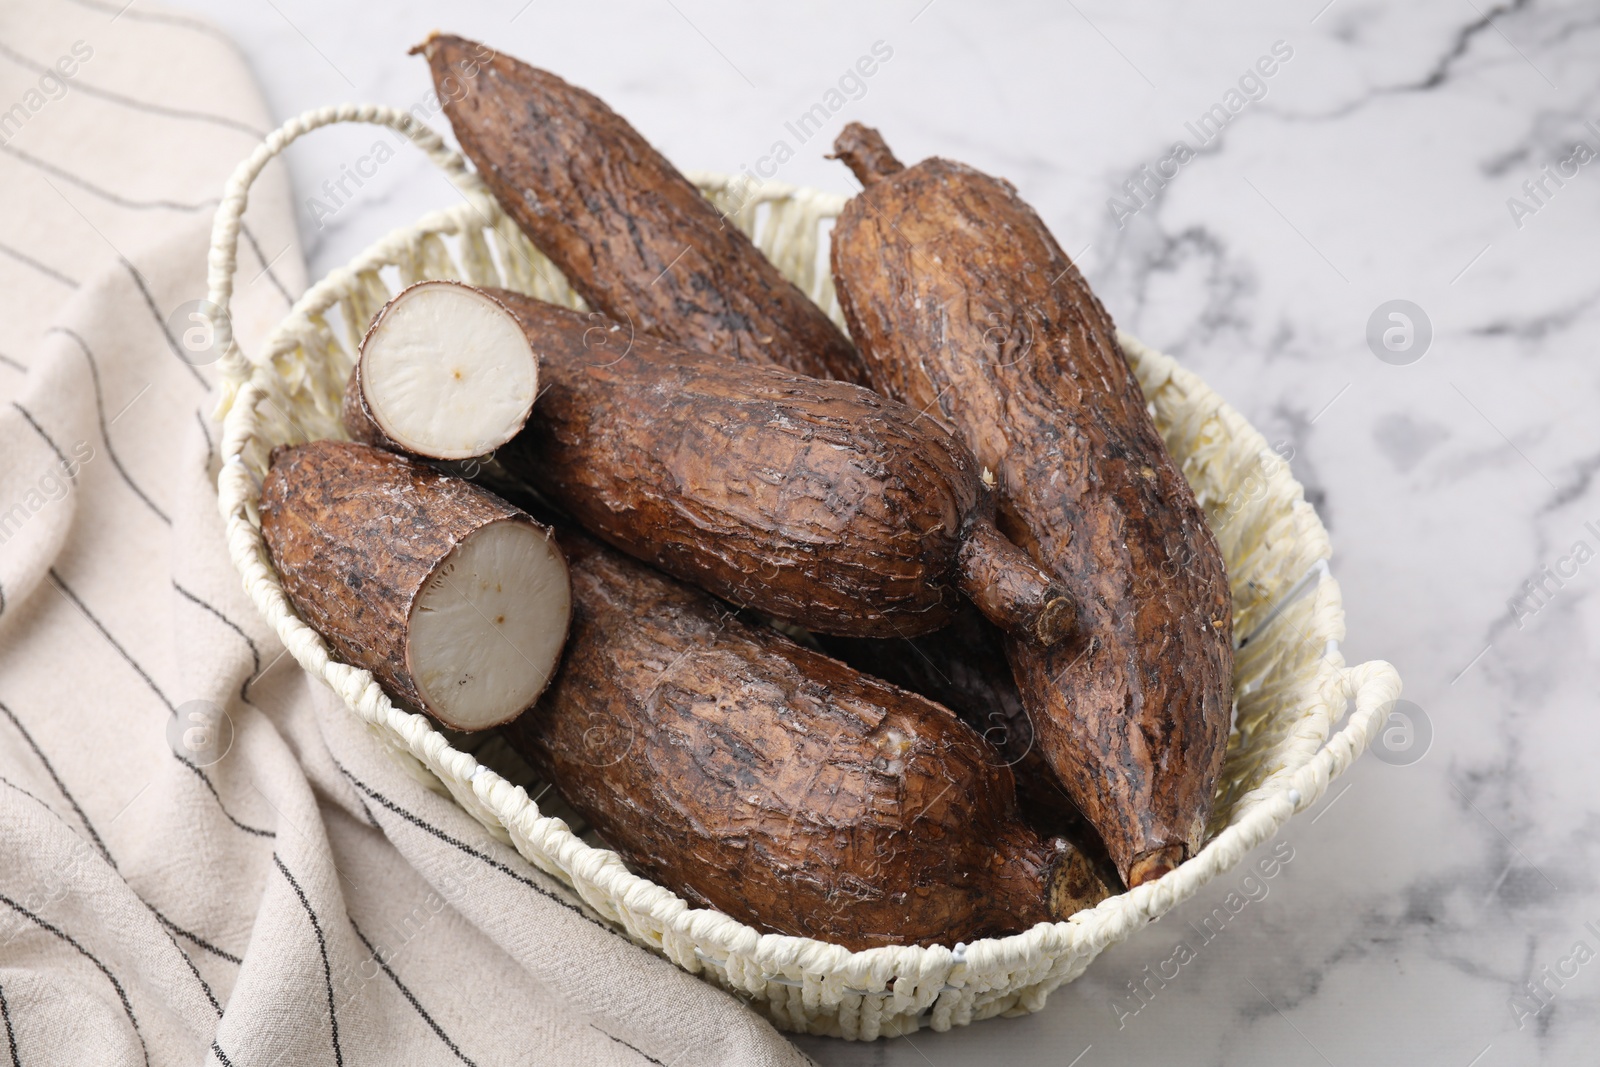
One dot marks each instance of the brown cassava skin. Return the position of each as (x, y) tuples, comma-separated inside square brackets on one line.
[(963, 666), (631, 234), (355, 533), (817, 502), (960, 298), (779, 786), (357, 416)]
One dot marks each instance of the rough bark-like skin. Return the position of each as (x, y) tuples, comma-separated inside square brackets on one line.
[(355, 532), (630, 233), (963, 666), (960, 298), (818, 502), (777, 785), (357, 416)]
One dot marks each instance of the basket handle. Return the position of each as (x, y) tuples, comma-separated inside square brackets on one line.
[(1373, 685), (223, 258)]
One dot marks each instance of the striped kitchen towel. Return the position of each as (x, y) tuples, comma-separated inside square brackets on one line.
[(203, 856)]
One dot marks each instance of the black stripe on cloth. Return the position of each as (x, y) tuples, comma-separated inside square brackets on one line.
[(205, 778), (51, 272), (166, 331), (196, 938), (47, 438), (13, 364), (162, 919), (104, 194), (216, 1049), (211, 452), (435, 1027), (122, 994), (130, 102), (367, 811), (105, 429), (468, 849), (630, 1048), (61, 787), (255, 653), (60, 585), (205, 986), (8, 782), (266, 268), (11, 1034), (322, 945), (117, 11)]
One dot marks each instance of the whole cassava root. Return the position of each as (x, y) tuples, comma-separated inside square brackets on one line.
[(817, 502), (631, 234), (444, 372), (776, 785), (960, 300), (455, 600)]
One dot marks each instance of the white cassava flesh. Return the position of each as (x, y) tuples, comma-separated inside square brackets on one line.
[(447, 372), (488, 625), (455, 600)]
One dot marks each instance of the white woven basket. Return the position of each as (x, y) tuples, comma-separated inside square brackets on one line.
[(1291, 683)]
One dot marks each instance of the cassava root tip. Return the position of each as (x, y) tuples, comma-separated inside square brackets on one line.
[(1148, 866), (1077, 880), (866, 153), (1055, 621), (1011, 590)]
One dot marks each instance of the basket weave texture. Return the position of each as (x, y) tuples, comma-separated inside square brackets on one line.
[(1292, 686)]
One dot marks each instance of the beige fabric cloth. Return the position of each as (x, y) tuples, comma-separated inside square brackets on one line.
[(301, 900)]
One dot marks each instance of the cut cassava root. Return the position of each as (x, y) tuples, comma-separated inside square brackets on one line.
[(814, 501), (817, 502), (632, 235), (456, 601), (960, 300), (444, 372), (777, 785)]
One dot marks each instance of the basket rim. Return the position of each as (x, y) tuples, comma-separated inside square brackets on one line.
[(549, 843)]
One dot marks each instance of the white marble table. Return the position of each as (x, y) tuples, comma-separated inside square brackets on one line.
[(1375, 165)]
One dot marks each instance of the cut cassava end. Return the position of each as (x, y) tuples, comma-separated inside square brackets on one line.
[(817, 502), (632, 235), (445, 372), (456, 601), (962, 304), (1011, 590), (754, 776), (488, 626)]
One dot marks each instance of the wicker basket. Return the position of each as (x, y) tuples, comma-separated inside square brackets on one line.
[(1291, 683)]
